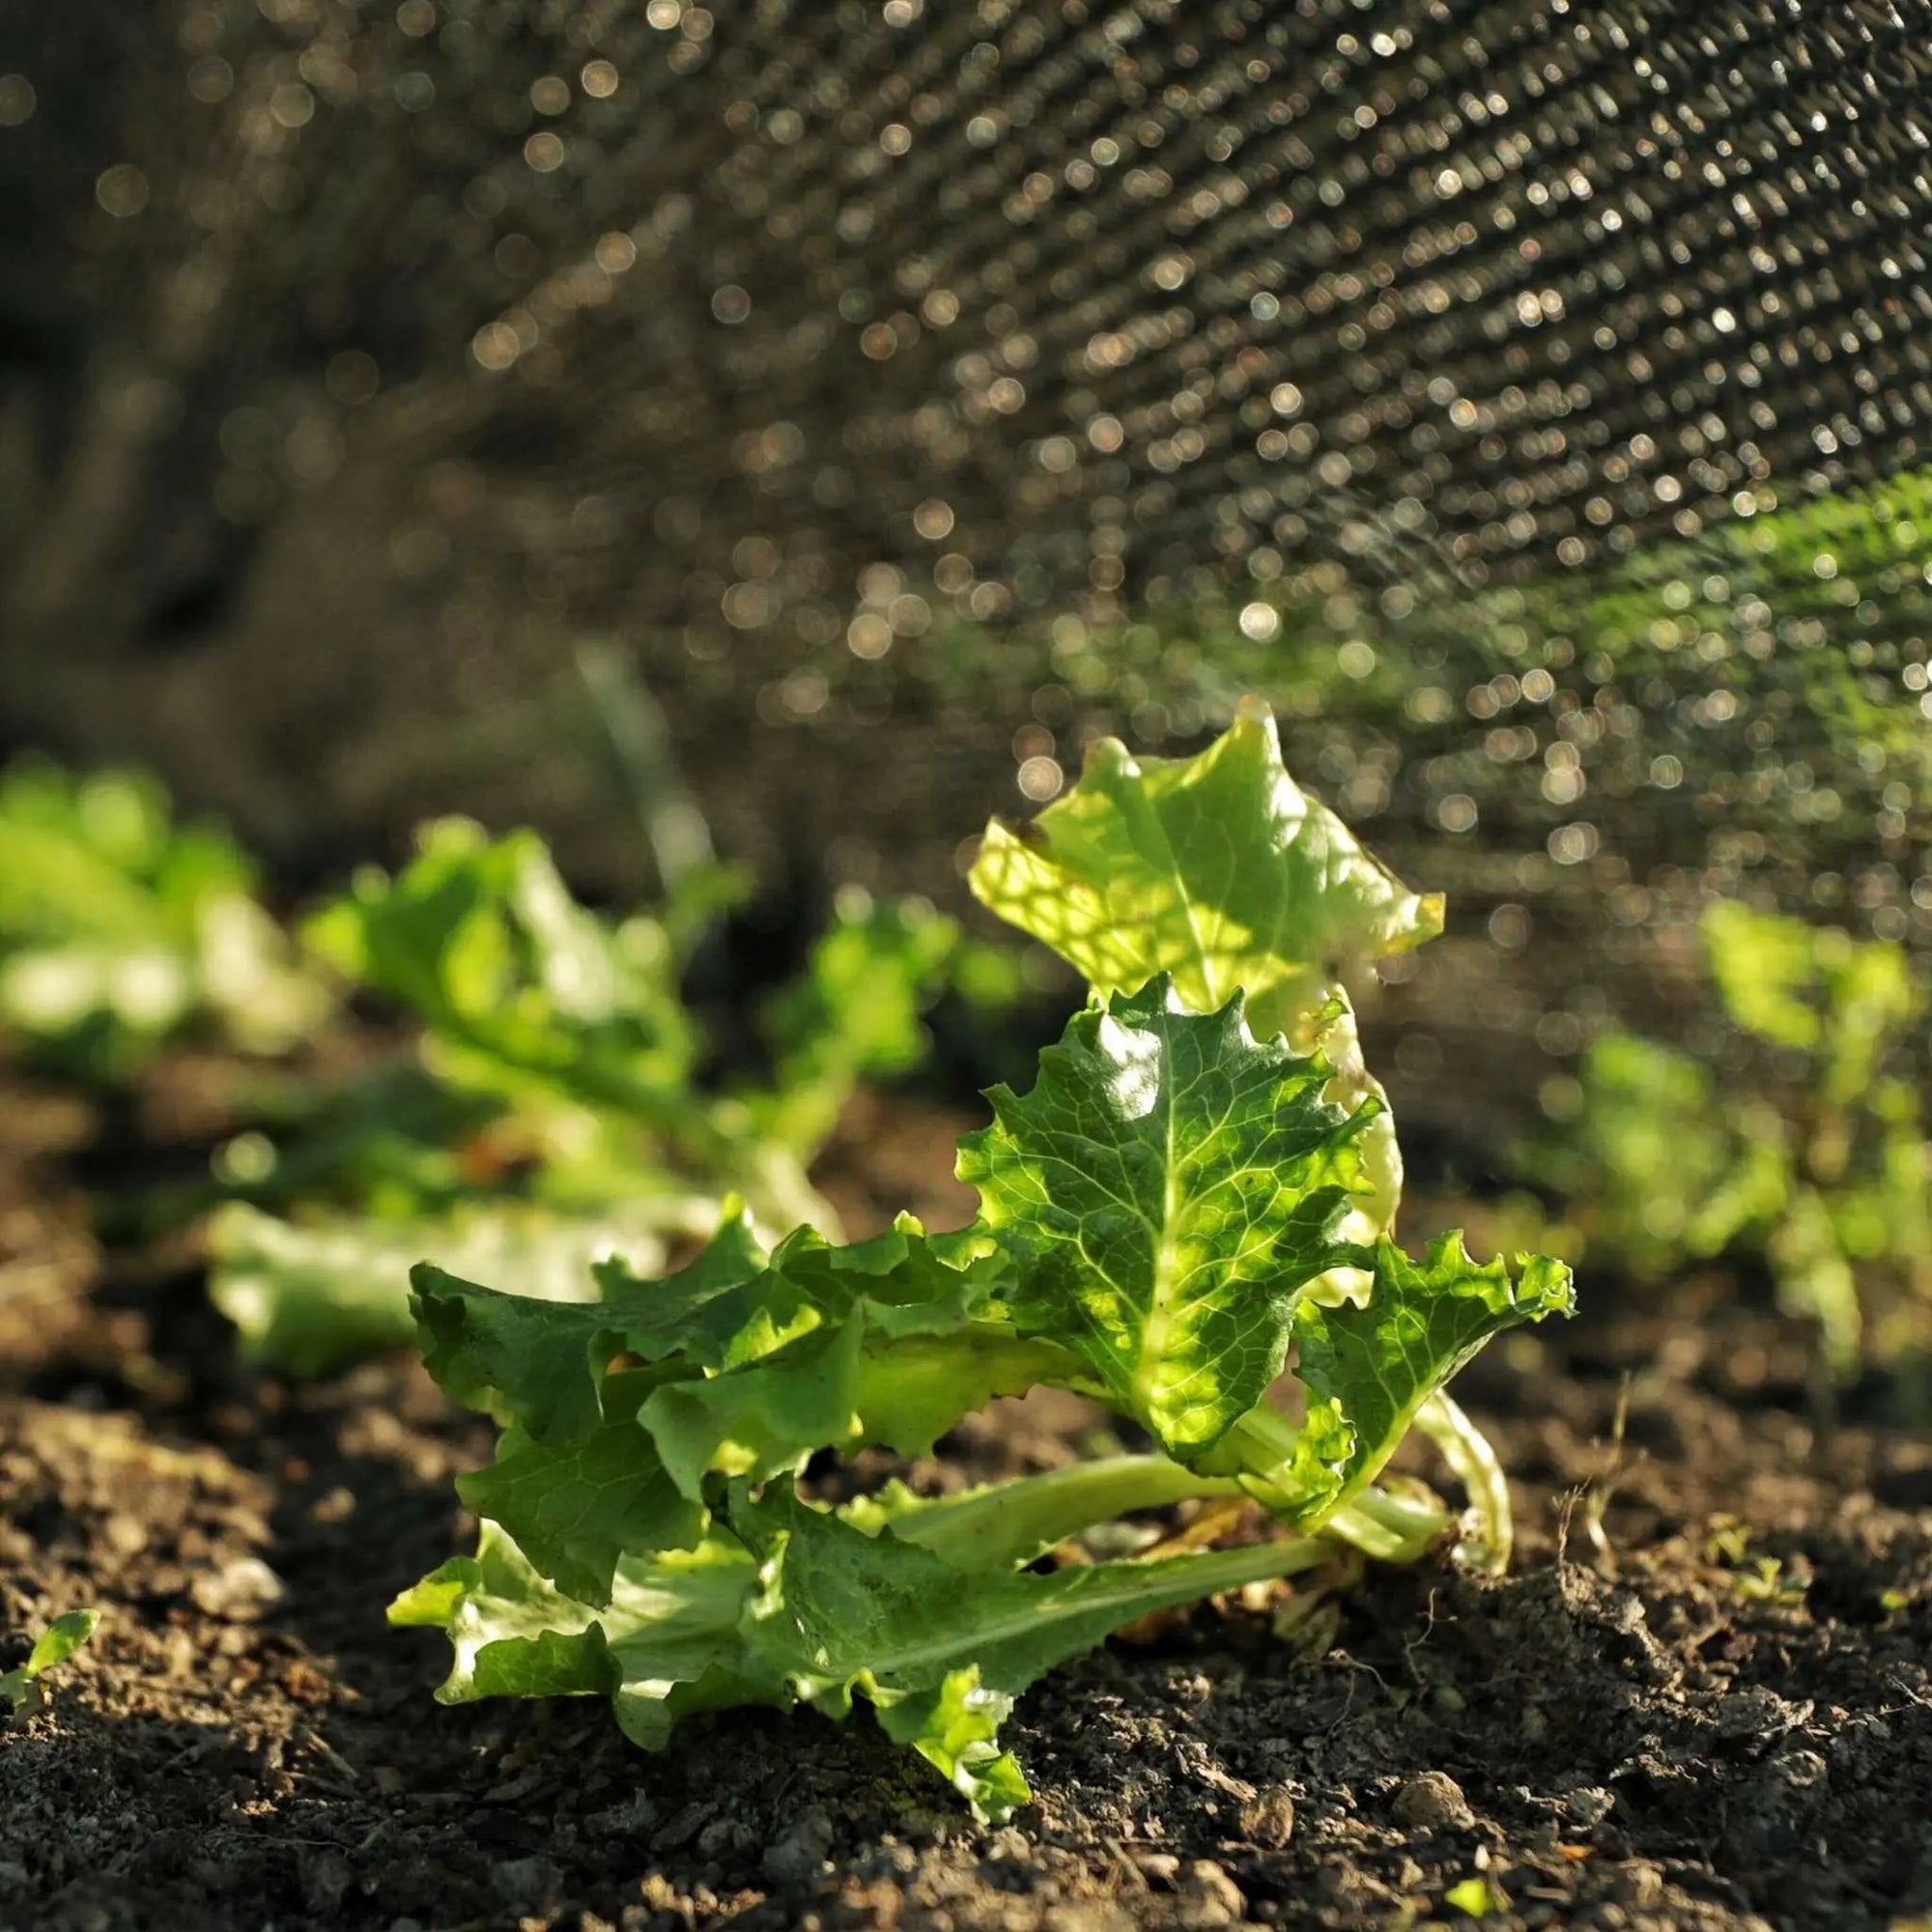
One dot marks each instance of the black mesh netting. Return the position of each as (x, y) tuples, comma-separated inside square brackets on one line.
[(1527, 397)]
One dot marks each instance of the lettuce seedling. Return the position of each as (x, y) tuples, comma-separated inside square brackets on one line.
[(1187, 1217), (556, 1116), (856, 1011), (20, 1686), (1819, 1163), (120, 930), (314, 1294), (525, 996)]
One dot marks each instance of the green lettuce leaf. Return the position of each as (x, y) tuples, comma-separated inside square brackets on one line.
[(843, 1387), (915, 1283), (540, 1364), (1166, 1192), (525, 992), (576, 1511), (752, 1365), (1216, 870), (939, 1653), (1369, 1370), (796, 1605), (1221, 871), (309, 1295), (1171, 1206), (120, 927), (668, 1645), (955, 1725)]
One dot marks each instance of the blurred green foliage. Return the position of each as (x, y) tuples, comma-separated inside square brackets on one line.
[(567, 1028), (853, 1014), (551, 1101), (575, 1029), (120, 928), (560, 1042), (312, 1293), (1820, 1165)]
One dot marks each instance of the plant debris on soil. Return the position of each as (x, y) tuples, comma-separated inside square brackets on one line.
[(1701, 1698)]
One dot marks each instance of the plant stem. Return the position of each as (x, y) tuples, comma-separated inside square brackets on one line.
[(1012, 1522), (1394, 1529), (1258, 1451), (1469, 1455)]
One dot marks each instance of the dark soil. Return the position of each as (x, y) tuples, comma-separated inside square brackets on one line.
[(1702, 1699)]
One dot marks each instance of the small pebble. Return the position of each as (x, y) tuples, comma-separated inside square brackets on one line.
[(124, 1535), (1432, 1802), (531, 1881), (1589, 1805), (797, 1857), (1268, 1819), (1214, 1899), (240, 1590)]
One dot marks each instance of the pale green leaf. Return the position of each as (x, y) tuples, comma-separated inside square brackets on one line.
[(955, 1725), (1217, 869), (1000, 1525), (1331, 1033), (665, 1645), (60, 1640), (308, 1296)]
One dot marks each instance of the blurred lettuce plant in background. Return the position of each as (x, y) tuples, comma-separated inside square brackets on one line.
[(1815, 1160), (121, 929)]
